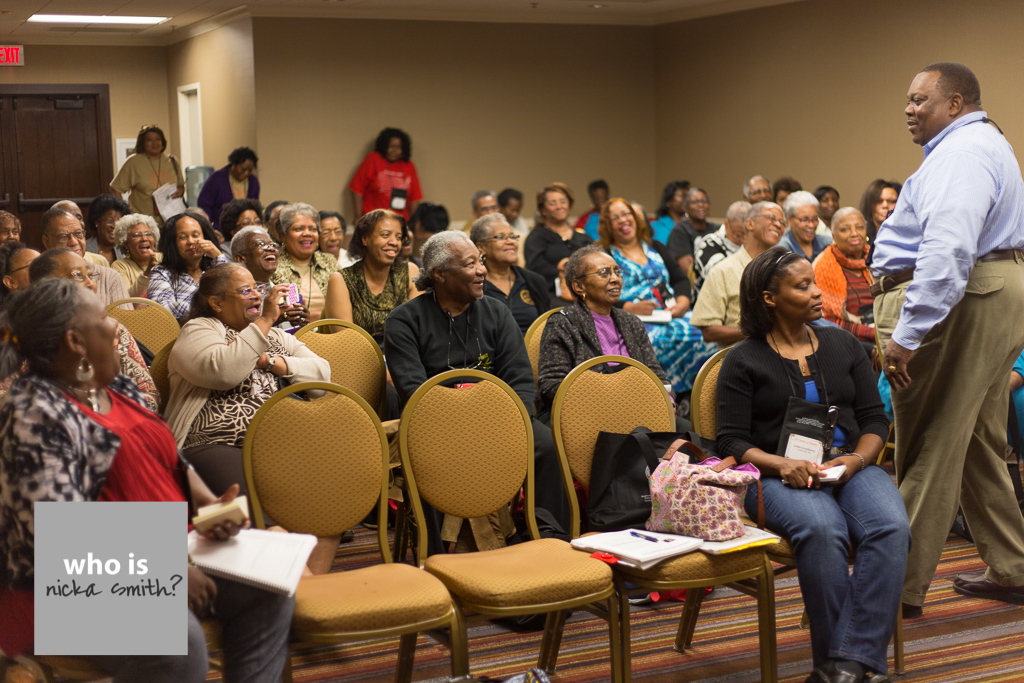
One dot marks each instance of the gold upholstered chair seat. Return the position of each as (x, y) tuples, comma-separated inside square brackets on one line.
[(543, 571), (380, 597), (698, 566)]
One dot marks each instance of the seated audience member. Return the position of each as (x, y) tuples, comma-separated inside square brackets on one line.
[(591, 326), (483, 203), (717, 312), (238, 214), (62, 228), (387, 178), (652, 281), (828, 203), (598, 192), (876, 204), (237, 180), (710, 250), (189, 248), (524, 292), (333, 239), (671, 210), (10, 227), (801, 211), (366, 292), (79, 431), (224, 365), (428, 220), (136, 235), (270, 218), (758, 189), (67, 265), (845, 279), (852, 616), (784, 187), (15, 259), (510, 204), (301, 262), (453, 325), (253, 248), (693, 226), (552, 238), (104, 212)]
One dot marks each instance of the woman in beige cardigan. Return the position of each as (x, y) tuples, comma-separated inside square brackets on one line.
[(224, 365)]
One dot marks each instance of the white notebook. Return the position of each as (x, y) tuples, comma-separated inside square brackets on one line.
[(640, 549), (659, 316), (266, 559)]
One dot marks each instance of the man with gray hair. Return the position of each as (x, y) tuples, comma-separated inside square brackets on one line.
[(758, 189), (453, 325), (62, 228), (710, 250)]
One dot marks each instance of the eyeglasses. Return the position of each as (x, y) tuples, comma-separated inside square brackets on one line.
[(605, 273), (66, 237), (339, 232), (247, 292), (619, 217), (699, 201), (264, 246), (140, 235), (80, 276), (15, 270), (773, 220), (245, 223), (502, 238)]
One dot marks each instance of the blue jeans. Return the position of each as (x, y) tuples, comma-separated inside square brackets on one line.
[(852, 616)]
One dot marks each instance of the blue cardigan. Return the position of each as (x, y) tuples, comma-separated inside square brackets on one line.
[(216, 193)]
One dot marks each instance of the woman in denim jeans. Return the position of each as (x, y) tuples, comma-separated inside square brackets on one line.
[(852, 615)]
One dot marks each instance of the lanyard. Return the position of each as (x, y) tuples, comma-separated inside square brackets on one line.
[(785, 368)]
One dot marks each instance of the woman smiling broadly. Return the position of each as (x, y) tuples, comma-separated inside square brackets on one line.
[(137, 235), (189, 248), (552, 238), (301, 262), (844, 278)]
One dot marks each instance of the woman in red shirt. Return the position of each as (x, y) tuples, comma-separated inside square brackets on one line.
[(387, 179)]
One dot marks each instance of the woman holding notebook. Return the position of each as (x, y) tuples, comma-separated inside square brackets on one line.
[(73, 429), (795, 399)]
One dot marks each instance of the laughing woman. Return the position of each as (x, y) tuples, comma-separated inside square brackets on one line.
[(137, 235), (301, 261)]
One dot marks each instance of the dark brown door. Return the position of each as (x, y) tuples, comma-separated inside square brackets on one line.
[(56, 145)]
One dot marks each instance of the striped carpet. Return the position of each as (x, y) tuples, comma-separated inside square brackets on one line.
[(957, 640)]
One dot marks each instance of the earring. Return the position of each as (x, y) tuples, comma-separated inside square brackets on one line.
[(85, 371)]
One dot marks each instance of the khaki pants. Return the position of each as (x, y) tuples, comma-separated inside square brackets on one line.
[(951, 426)]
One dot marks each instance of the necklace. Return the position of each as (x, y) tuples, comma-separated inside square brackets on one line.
[(156, 169), (91, 397), (802, 361)]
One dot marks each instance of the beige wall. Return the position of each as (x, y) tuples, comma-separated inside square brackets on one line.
[(221, 61), (486, 105), (137, 77), (816, 90)]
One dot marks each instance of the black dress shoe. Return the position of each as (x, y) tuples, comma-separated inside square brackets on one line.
[(912, 611), (876, 678), (977, 586), (828, 673)]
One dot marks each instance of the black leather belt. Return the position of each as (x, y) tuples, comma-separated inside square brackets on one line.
[(1003, 255), (887, 282)]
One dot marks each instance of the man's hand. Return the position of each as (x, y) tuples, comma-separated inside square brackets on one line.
[(896, 359)]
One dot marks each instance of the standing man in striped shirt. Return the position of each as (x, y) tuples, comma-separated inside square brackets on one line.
[(949, 306)]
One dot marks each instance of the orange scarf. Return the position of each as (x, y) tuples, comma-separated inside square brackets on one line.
[(828, 271)]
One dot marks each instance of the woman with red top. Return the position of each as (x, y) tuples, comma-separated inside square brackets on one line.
[(844, 278), (387, 179), (73, 429)]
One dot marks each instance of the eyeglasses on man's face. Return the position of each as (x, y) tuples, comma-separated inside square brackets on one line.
[(65, 237)]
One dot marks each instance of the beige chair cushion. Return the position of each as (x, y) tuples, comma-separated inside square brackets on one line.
[(542, 571), (697, 566), (151, 324), (355, 362), (379, 597)]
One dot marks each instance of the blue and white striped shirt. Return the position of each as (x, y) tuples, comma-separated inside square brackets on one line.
[(965, 200)]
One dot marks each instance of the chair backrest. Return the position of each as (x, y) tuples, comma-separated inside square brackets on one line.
[(704, 403), (589, 402), (356, 360), (319, 466), (466, 451), (160, 373), (532, 339), (150, 323)]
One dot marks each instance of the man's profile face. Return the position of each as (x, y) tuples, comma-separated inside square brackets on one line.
[(927, 108)]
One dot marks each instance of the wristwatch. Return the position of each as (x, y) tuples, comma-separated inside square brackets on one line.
[(270, 363)]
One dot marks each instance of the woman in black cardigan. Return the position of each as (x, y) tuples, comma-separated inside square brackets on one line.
[(852, 617)]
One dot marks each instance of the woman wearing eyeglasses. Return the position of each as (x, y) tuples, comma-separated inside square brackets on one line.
[(524, 292), (137, 235), (146, 171), (368, 290), (653, 284)]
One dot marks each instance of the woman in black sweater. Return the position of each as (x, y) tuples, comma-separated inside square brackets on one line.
[(852, 617)]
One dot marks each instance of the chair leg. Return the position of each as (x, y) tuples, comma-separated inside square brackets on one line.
[(398, 548), (688, 621), (406, 656), (766, 624), (552, 640), (458, 643), (897, 641), (286, 675), (624, 637), (615, 638)]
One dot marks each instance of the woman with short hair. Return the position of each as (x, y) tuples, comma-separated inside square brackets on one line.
[(15, 258), (238, 214), (332, 237), (237, 180), (10, 227), (136, 235), (103, 214), (786, 365), (801, 211), (189, 248), (301, 262), (552, 238), (844, 277), (147, 170)]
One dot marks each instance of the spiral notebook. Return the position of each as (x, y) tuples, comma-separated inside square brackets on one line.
[(266, 559)]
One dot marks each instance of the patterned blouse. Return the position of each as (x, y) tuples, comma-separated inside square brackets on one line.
[(322, 263), (370, 310), (173, 290)]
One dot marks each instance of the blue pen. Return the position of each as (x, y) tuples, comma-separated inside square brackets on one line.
[(637, 534)]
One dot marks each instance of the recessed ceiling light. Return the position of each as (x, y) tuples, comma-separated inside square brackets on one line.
[(95, 19)]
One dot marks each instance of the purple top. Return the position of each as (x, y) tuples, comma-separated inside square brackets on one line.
[(612, 343), (217, 192)]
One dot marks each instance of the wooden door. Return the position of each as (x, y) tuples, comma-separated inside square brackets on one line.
[(56, 145)]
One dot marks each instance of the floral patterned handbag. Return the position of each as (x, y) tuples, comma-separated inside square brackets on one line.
[(700, 500)]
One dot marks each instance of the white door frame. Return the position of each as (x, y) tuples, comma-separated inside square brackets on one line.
[(185, 131)]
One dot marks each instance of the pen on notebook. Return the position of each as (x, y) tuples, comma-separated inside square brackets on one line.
[(636, 534)]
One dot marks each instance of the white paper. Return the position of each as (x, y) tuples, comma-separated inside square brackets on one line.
[(637, 551), (659, 317), (751, 538), (804, 448), (166, 204), (257, 557), (829, 476)]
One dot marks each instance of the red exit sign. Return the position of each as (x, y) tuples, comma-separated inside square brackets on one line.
[(12, 55)]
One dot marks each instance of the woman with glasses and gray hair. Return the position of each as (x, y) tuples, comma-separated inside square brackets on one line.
[(301, 262), (523, 291), (137, 236)]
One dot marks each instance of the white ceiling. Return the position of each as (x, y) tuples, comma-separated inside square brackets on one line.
[(189, 17)]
